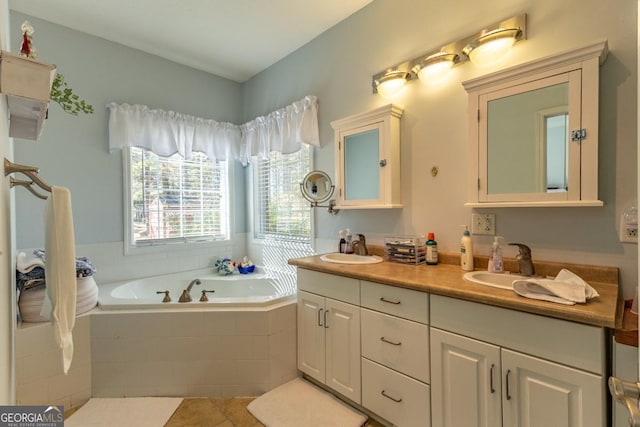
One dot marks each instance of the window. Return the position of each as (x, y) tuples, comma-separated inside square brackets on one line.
[(172, 199), (281, 213)]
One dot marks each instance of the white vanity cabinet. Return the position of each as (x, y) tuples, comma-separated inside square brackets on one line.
[(367, 153), (329, 331), (395, 354), (519, 369)]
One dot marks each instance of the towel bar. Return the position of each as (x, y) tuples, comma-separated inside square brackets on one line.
[(29, 171)]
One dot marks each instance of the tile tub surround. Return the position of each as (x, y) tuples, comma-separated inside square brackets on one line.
[(40, 379), (446, 279), (220, 353)]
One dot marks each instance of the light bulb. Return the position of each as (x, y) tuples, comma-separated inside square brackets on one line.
[(491, 46), (391, 84)]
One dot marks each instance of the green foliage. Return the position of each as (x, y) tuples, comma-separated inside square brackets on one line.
[(69, 101)]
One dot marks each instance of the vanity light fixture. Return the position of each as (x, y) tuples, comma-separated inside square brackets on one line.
[(492, 45), (434, 67), (484, 47), (391, 82)]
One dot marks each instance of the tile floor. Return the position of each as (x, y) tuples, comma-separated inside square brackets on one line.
[(220, 412), (217, 412)]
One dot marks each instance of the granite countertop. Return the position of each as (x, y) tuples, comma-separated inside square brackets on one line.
[(446, 279)]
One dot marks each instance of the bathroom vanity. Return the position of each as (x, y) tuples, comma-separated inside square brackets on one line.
[(415, 344)]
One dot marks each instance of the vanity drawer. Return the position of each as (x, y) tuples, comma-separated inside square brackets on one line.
[(395, 397), (401, 302), (397, 343), (329, 285)]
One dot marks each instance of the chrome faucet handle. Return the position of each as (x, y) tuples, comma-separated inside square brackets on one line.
[(166, 298), (204, 298)]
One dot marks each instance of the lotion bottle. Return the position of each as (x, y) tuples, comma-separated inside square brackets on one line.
[(466, 250)]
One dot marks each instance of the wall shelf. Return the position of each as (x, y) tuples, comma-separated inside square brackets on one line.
[(27, 84)]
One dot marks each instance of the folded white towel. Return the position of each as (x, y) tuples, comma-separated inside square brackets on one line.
[(60, 271), (27, 262), (567, 288)]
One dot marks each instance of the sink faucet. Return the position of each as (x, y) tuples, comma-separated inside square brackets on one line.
[(186, 294), (525, 264), (361, 244)]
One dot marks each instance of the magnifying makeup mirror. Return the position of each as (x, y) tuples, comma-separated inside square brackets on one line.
[(316, 187)]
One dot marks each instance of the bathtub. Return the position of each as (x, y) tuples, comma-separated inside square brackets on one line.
[(242, 342), (256, 289)]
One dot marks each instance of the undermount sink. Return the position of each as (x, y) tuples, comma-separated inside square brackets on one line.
[(496, 280), (340, 258)]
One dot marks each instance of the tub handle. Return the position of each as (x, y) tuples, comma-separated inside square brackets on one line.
[(204, 298), (166, 298)]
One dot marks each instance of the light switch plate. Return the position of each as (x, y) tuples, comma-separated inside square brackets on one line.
[(483, 224)]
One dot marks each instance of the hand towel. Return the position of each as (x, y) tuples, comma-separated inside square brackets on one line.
[(25, 263), (567, 288), (60, 271)]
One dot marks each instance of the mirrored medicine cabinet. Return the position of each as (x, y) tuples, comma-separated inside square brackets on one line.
[(367, 156), (533, 132)]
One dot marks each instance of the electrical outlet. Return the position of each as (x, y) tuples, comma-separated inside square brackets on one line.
[(484, 224), (628, 230)]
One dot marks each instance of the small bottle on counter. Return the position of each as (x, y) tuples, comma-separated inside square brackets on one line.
[(432, 249), (466, 250), (348, 246), (343, 242), (495, 260)]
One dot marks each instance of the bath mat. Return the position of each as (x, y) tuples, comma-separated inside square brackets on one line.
[(124, 412), (299, 403)]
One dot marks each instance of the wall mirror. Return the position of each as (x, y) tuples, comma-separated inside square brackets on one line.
[(316, 187), (533, 132)]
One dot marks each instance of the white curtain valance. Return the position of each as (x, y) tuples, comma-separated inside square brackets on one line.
[(167, 132), (283, 130)]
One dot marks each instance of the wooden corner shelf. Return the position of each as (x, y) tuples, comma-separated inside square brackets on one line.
[(27, 84)]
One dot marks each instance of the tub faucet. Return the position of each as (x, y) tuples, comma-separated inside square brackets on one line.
[(361, 244), (525, 264), (186, 294)]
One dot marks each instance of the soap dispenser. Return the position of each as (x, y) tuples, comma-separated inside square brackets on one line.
[(466, 250), (496, 264), (348, 246)]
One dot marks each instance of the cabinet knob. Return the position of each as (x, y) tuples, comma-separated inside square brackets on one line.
[(383, 163)]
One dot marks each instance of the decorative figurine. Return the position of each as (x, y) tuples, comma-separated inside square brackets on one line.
[(246, 266), (225, 267), (27, 49)]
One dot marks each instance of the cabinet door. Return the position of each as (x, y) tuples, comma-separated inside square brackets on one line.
[(367, 152), (362, 174), (465, 381), (343, 348), (538, 393), (311, 335)]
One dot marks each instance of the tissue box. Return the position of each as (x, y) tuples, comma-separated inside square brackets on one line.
[(405, 249)]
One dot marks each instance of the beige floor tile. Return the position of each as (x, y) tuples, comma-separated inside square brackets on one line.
[(196, 412), (235, 409)]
